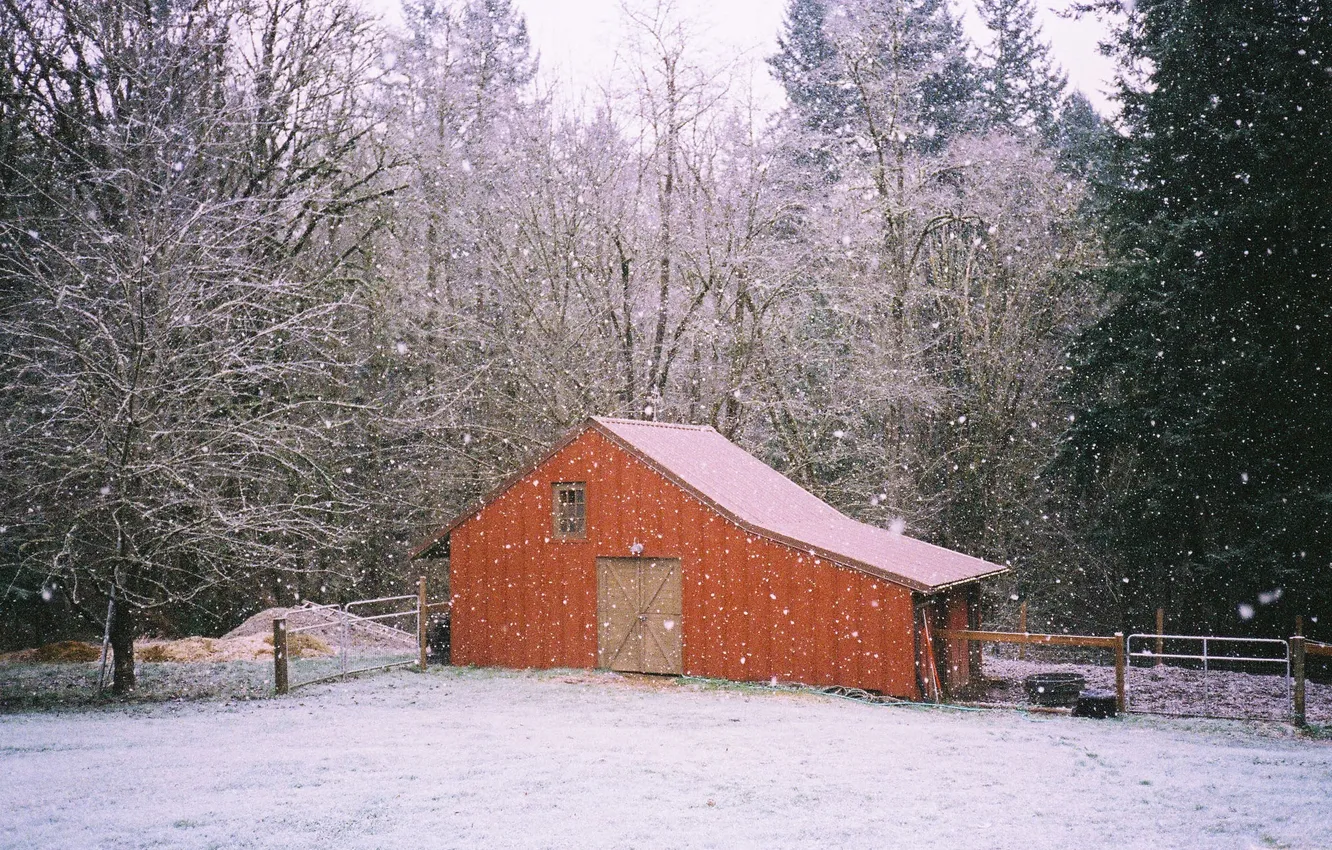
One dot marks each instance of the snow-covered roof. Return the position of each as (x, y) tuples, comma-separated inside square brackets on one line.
[(762, 500), (766, 503)]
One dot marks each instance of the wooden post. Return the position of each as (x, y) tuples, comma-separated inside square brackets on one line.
[(1299, 625), (280, 655), (1160, 641), (422, 620), (1297, 668), (1022, 627), (975, 659), (1119, 671)]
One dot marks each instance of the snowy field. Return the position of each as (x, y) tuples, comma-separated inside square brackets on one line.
[(484, 758)]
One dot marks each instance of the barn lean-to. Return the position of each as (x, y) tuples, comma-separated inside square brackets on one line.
[(666, 548)]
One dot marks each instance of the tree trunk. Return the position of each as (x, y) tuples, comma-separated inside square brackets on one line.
[(123, 627)]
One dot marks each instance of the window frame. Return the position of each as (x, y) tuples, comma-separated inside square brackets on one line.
[(557, 490)]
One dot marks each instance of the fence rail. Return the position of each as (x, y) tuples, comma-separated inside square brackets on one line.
[(1209, 657), (1295, 650), (1314, 647), (1115, 644)]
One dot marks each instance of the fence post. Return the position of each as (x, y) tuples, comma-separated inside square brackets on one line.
[(422, 609), (1297, 666), (1120, 702), (1160, 641), (280, 655), (1022, 627)]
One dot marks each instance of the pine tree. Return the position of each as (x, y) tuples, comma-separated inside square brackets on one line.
[(1080, 137), (936, 44), (874, 64), (1020, 86), (1207, 384), (805, 65)]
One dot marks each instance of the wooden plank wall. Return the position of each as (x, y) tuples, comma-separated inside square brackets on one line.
[(754, 610)]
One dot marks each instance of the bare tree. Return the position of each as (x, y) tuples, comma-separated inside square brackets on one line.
[(176, 354)]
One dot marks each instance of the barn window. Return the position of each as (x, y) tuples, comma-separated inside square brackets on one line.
[(570, 509)]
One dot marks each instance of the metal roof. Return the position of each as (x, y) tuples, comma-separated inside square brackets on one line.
[(765, 502), (761, 500)]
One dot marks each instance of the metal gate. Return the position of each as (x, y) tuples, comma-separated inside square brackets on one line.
[(1210, 674), (365, 635)]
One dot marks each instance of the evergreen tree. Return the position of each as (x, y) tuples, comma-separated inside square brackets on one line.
[(1020, 87), (933, 44), (858, 69), (1080, 137), (806, 66), (1207, 384)]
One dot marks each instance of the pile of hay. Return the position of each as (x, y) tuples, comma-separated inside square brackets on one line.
[(185, 650), (249, 648), (63, 652)]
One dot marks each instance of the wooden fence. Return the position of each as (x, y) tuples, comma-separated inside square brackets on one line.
[(1301, 647), (1115, 644)]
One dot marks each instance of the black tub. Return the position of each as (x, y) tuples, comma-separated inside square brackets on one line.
[(1057, 689)]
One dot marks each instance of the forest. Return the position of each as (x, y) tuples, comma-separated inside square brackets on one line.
[(282, 288)]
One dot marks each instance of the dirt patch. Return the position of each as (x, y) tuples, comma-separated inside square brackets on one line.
[(590, 677)]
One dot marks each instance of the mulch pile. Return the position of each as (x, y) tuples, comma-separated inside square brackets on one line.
[(64, 652)]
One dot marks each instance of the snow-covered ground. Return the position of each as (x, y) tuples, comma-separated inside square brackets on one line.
[(485, 758)]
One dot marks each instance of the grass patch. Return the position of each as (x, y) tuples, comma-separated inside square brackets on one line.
[(45, 687)]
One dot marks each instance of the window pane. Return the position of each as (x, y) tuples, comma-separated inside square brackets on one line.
[(570, 509)]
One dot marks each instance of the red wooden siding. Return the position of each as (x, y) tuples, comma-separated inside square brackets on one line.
[(956, 658), (754, 609)]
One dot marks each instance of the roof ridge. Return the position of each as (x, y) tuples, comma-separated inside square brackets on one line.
[(653, 423)]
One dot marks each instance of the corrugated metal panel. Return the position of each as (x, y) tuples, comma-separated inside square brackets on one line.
[(765, 501)]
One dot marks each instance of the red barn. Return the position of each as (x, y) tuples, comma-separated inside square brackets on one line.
[(660, 548)]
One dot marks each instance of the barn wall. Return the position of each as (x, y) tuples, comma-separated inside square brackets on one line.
[(754, 609), (956, 660)]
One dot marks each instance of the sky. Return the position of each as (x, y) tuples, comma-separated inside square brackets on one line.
[(581, 42)]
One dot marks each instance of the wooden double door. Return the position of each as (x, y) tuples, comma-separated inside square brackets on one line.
[(639, 626)]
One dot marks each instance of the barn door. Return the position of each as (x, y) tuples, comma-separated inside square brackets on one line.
[(638, 615)]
